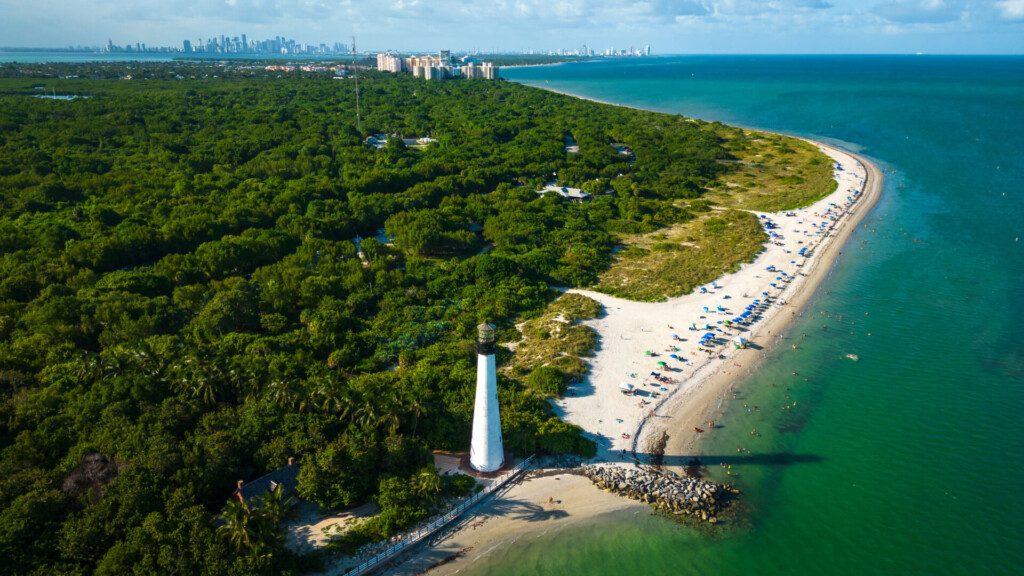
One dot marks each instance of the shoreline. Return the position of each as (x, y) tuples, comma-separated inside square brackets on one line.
[(643, 342), (572, 499), (707, 402)]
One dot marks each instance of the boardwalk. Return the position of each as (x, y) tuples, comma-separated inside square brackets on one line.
[(417, 536)]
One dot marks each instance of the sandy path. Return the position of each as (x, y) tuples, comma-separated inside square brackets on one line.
[(701, 387)]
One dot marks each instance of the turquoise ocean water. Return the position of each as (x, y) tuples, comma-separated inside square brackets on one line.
[(910, 460)]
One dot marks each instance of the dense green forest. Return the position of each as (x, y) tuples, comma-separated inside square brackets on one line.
[(182, 303)]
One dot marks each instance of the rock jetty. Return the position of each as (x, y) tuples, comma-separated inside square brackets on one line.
[(679, 495)]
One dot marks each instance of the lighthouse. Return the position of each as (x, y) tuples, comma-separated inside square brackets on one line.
[(486, 453)]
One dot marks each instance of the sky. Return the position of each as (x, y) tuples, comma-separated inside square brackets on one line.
[(668, 26)]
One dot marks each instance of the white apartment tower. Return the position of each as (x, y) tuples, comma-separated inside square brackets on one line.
[(486, 452), (389, 63)]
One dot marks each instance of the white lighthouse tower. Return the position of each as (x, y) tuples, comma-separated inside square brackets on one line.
[(486, 453)]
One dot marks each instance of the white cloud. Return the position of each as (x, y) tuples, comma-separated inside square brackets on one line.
[(922, 11), (1011, 9), (682, 25)]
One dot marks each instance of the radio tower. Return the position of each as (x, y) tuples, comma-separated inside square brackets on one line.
[(355, 75)]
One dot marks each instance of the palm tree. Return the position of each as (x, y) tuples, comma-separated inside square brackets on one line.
[(276, 507), (366, 415), (427, 484), (390, 418), (204, 389), (236, 528), (415, 393), (283, 392), (200, 380), (85, 368), (418, 408), (334, 398)]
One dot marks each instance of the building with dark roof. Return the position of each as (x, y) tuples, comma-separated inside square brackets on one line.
[(287, 477)]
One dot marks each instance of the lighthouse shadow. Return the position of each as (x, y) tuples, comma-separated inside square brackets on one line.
[(767, 459)]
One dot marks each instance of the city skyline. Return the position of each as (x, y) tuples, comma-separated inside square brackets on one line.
[(243, 44), (228, 44), (685, 26)]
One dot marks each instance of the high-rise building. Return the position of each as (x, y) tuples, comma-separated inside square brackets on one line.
[(647, 50), (471, 70), (389, 63), (186, 46)]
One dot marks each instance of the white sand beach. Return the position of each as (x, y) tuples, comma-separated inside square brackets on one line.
[(700, 381), (642, 342)]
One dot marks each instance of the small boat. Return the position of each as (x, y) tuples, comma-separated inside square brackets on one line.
[(853, 357)]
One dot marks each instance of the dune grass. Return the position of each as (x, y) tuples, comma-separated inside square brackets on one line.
[(673, 261), (772, 173), (769, 173), (549, 357)]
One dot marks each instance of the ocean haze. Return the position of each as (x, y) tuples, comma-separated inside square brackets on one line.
[(677, 26), (906, 460)]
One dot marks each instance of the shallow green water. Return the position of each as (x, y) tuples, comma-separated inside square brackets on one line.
[(909, 460)]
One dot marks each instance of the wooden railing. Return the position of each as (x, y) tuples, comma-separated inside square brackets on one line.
[(424, 532)]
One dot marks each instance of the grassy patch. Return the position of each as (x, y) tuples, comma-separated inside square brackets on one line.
[(772, 173), (549, 356), (674, 261)]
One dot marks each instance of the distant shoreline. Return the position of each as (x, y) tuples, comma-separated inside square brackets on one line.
[(549, 64)]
